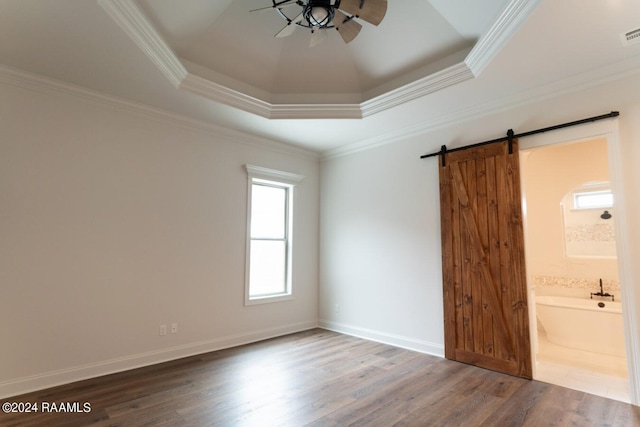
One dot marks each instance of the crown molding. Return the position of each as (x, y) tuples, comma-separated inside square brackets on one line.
[(574, 84), (316, 111), (507, 24), (217, 92), (437, 81), (45, 85), (209, 89), (136, 25)]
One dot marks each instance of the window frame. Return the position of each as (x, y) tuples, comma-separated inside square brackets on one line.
[(278, 179)]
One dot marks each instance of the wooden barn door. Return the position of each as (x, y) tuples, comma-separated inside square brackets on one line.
[(485, 292)]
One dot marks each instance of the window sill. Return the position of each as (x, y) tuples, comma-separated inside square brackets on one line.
[(268, 299)]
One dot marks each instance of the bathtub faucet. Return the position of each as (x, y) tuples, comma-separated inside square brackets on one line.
[(602, 293)]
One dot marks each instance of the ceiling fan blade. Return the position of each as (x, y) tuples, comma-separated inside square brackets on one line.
[(372, 11), (317, 37), (262, 9), (347, 27), (290, 27), (280, 5), (286, 31)]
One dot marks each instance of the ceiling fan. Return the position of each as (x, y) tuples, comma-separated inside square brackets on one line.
[(319, 15)]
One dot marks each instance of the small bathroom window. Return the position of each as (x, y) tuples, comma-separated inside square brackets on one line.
[(593, 199), (588, 221)]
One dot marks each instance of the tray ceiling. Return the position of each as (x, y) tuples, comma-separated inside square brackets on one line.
[(223, 52), (151, 57)]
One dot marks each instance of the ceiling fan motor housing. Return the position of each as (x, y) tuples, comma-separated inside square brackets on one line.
[(319, 13)]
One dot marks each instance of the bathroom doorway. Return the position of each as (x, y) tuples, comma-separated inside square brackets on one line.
[(572, 268)]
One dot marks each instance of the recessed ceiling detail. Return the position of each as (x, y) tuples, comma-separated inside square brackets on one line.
[(464, 61)]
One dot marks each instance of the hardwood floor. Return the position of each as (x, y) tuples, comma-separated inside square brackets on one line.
[(320, 378)]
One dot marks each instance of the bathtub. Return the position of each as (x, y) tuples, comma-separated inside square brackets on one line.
[(582, 324)]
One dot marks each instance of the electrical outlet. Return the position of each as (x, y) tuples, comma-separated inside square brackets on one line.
[(163, 329), (174, 328), (337, 308)]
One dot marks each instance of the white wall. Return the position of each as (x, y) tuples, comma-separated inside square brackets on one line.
[(380, 247), (380, 219), (116, 219)]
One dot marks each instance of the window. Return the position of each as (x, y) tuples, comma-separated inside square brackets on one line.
[(593, 199), (269, 238), (269, 231), (588, 219)]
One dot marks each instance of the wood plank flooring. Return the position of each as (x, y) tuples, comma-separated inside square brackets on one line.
[(320, 378)]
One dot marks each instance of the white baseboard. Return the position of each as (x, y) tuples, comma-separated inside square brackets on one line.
[(78, 373), (385, 338)]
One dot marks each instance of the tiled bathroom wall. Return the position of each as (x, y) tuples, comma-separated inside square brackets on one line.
[(572, 286)]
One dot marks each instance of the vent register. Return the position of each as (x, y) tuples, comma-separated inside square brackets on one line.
[(631, 37)]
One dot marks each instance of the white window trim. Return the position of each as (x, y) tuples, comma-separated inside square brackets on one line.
[(280, 178)]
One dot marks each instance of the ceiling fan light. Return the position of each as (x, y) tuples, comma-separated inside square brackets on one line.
[(319, 14)]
